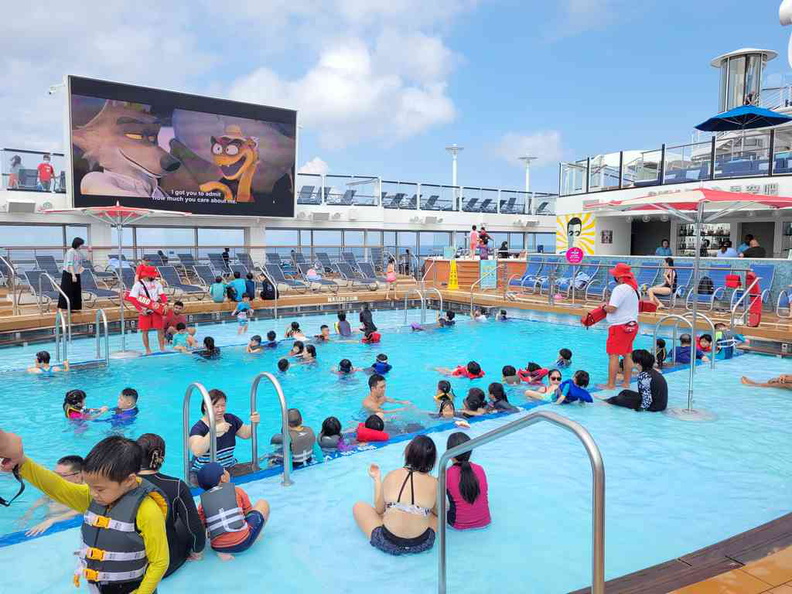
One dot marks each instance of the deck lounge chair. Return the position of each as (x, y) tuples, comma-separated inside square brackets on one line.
[(470, 205), (206, 276), (277, 276), (355, 278), (218, 264), (507, 206), (48, 265), (40, 286), (367, 270), (394, 203), (174, 281), (325, 261), (717, 274), (323, 282), (431, 203), (532, 268), (90, 286), (304, 196)]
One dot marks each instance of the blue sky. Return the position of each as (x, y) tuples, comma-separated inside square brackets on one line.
[(383, 86)]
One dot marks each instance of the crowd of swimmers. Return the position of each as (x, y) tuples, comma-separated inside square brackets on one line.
[(120, 483)]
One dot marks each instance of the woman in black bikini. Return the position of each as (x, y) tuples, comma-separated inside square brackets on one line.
[(403, 518), (669, 285)]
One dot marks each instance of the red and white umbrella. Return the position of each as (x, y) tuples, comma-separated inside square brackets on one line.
[(118, 216)]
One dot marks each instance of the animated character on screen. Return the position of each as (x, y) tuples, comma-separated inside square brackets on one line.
[(122, 140), (238, 157)]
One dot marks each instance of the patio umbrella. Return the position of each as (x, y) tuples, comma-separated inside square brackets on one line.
[(118, 216), (696, 207), (745, 117)]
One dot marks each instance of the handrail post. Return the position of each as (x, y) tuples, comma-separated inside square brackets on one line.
[(207, 401), (597, 495), (439, 294), (286, 436), (683, 319), (12, 287), (712, 329), (56, 286), (58, 322), (407, 296), (101, 316), (741, 299)]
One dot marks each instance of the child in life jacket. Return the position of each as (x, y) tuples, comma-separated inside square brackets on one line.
[(471, 371), (74, 407), (381, 365), (123, 515), (233, 523), (532, 374), (574, 390), (444, 391), (372, 430)]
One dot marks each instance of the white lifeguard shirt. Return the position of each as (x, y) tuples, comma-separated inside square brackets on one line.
[(625, 299)]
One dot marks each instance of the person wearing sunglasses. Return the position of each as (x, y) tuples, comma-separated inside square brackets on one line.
[(69, 468), (550, 392)]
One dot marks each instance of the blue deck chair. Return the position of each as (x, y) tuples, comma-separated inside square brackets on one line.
[(48, 265), (90, 286), (304, 267), (247, 260), (354, 278), (174, 281), (48, 293), (532, 268), (584, 276), (717, 274), (325, 261), (218, 264), (766, 274), (240, 268), (276, 274), (368, 271), (205, 274), (551, 267)]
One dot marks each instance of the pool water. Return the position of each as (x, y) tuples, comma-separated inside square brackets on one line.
[(672, 486)]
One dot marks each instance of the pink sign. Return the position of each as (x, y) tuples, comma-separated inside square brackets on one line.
[(574, 255)]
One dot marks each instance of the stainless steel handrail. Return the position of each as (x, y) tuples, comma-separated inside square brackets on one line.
[(101, 316), (287, 459), (409, 292), (712, 330), (481, 278), (683, 319), (12, 287), (60, 335), (426, 272), (745, 294), (274, 285), (439, 294), (207, 400), (597, 491), (56, 286)]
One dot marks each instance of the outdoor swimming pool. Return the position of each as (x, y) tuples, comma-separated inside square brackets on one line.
[(671, 486)]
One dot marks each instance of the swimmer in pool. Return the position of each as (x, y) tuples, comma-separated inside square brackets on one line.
[(782, 381), (297, 350), (283, 365), (376, 398), (75, 410), (324, 334), (444, 391), (272, 340), (126, 408), (254, 345), (294, 331), (475, 403), (549, 393), (345, 368), (68, 468), (510, 376), (42, 365)]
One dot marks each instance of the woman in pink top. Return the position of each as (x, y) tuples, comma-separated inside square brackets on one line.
[(466, 487)]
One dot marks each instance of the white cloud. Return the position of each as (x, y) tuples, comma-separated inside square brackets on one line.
[(358, 69), (350, 95), (579, 16), (316, 166), (544, 145)]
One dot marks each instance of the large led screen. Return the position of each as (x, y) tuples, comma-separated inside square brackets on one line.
[(158, 149)]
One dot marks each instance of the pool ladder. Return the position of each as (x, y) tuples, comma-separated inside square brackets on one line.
[(597, 491), (422, 295), (207, 402)]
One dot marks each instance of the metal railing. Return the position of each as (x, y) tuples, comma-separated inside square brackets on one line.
[(423, 302), (597, 491), (65, 297), (61, 332), (689, 314), (209, 411), (481, 278), (11, 286), (439, 295), (679, 318), (274, 286), (101, 317), (286, 441), (745, 294)]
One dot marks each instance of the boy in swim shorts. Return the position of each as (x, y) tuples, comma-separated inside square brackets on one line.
[(233, 523), (183, 341), (242, 313)]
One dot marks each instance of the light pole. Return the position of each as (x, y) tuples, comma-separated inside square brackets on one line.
[(527, 160), (454, 149)]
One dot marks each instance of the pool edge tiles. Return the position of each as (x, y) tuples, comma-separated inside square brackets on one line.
[(19, 536)]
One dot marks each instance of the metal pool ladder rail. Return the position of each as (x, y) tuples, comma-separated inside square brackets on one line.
[(423, 303), (100, 316), (598, 490), (287, 459), (186, 426)]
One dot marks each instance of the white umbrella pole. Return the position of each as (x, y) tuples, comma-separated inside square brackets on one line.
[(120, 229), (696, 262)]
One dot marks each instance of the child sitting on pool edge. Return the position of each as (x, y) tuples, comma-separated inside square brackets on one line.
[(183, 341), (233, 523), (42, 365)]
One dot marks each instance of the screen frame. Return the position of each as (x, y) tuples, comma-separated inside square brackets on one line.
[(103, 89)]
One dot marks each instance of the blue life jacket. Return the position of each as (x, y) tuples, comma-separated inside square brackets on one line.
[(573, 392), (381, 367)]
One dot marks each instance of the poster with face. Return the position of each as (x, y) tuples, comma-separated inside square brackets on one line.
[(157, 149), (575, 230)]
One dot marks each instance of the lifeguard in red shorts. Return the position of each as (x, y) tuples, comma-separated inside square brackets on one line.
[(148, 297), (622, 320)]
